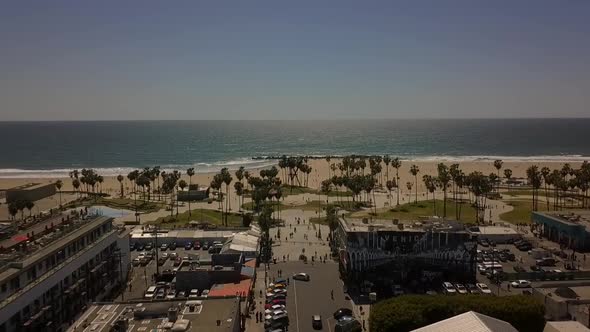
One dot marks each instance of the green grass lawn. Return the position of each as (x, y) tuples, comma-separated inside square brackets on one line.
[(205, 215), (305, 190), (411, 211), (117, 203), (522, 211)]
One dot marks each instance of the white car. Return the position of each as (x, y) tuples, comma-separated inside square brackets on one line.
[(272, 313), (301, 276), (194, 293), (521, 284), (448, 288), (484, 288), (461, 289), (276, 307), (205, 293)]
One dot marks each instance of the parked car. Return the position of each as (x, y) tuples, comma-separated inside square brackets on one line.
[(173, 255), (461, 289), (484, 243), (193, 294), (188, 246), (483, 288), (164, 247), (521, 284), (181, 294), (275, 309), (205, 293), (448, 288), (472, 289), (545, 262), (342, 312), (150, 292), (139, 246), (536, 268), (316, 322), (161, 294), (197, 245), (172, 246), (301, 276), (205, 246), (149, 246), (397, 290)]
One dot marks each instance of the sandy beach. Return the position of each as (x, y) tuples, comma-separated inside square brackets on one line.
[(320, 171)]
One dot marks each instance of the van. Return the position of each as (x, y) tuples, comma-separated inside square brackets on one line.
[(149, 294)]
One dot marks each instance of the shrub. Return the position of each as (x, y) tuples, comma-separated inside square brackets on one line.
[(406, 313)]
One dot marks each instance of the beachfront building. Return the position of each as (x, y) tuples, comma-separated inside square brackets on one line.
[(30, 192), (383, 252), (568, 228), (46, 282), (211, 314), (193, 193)]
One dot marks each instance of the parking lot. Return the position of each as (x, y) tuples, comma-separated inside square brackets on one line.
[(143, 275), (308, 298)]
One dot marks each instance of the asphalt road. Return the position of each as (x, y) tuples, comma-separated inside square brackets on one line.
[(308, 298)]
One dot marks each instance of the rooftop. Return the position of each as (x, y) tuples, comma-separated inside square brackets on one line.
[(566, 293), (30, 186), (566, 326), (496, 230), (231, 289), (50, 243), (577, 217), (470, 321), (371, 225), (202, 315)]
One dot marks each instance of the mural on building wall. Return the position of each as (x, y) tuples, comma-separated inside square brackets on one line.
[(444, 249)]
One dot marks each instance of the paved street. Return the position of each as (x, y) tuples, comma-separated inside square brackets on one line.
[(305, 299)]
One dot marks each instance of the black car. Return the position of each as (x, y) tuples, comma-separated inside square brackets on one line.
[(316, 322), (536, 268), (173, 246), (341, 313), (188, 246)]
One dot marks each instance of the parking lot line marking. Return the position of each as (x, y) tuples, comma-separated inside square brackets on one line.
[(329, 326), (296, 311)]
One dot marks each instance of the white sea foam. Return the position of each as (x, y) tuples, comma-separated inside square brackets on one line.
[(262, 163), (114, 171)]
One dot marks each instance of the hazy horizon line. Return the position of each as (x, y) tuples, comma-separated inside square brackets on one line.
[(304, 120)]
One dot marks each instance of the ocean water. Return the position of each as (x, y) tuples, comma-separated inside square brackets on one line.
[(53, 148)]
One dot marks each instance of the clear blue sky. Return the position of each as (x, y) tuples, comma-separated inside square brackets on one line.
[(111, 60)]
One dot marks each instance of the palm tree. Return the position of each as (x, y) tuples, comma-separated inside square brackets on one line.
[(190, 172), (409, 185), (508, 175), (227, 179), (498, 165), (58, 185), (182, 184), (444, 177), (76, 185), (239, 187), (545, 174), (29, 205), (415, 170), (534, 177), (430, 183), (390, 184), (480, 186), (100, 180), (386, 161), (120, 178), (143, 181), (12, 210)]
